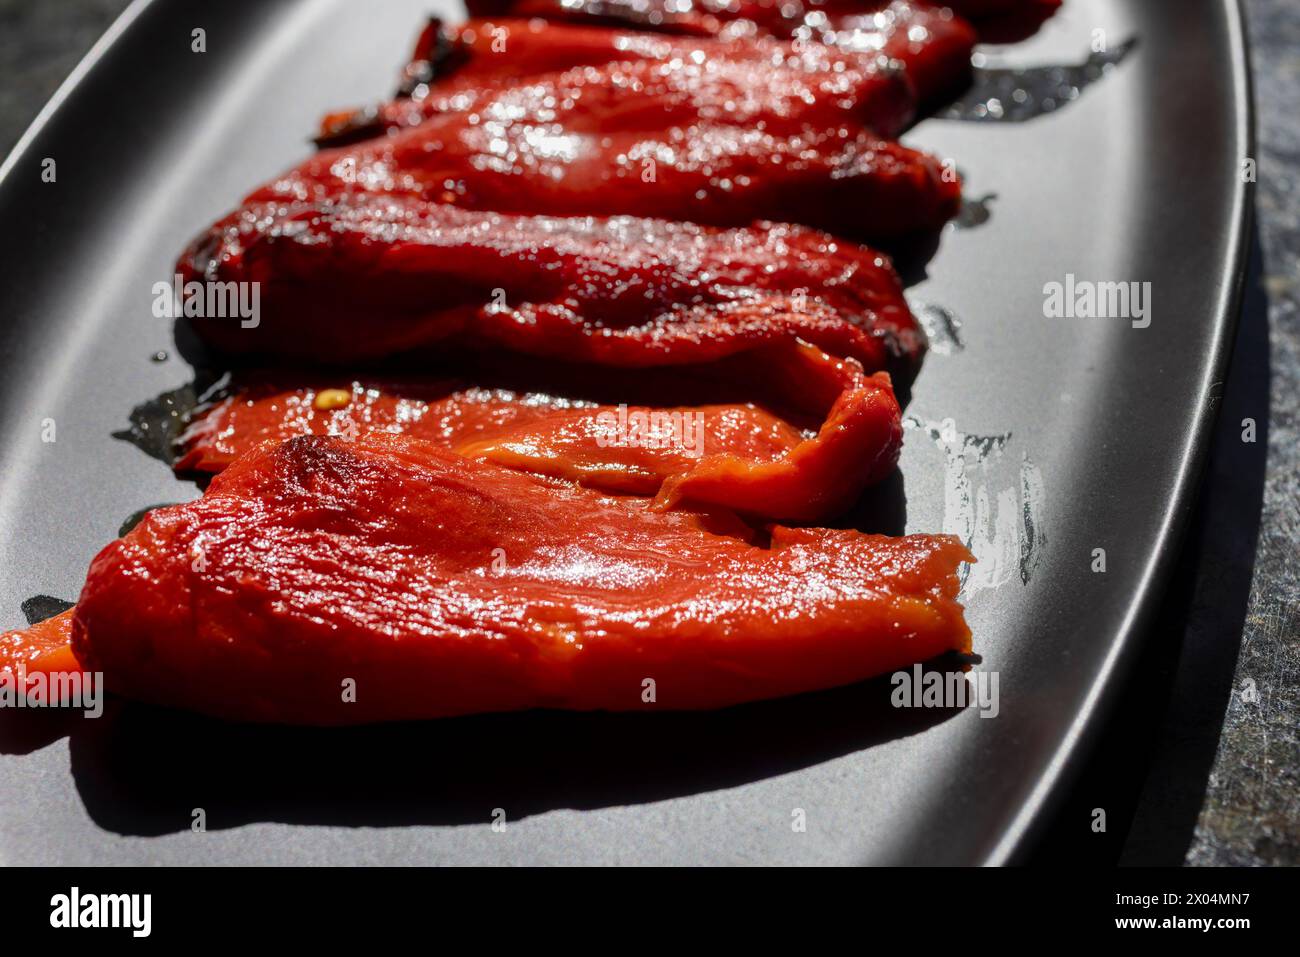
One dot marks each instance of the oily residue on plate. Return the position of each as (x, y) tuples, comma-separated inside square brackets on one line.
[(942, 327), (995, 510), (156, 423), (975, 211), (40, 607), (1017, 94)]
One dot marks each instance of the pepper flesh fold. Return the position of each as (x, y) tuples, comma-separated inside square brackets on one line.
[(434, 585), (738, 456), (371, 277)]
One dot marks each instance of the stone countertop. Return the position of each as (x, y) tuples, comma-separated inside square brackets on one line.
[(1201, 759), (1245, 597)]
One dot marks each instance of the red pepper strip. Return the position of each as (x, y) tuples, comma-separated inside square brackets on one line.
[(373, 277), (536, 432), (743, 17), (735, 456), (684, 142), (40, 648), (326, 582), (790, 85), (933, 45)]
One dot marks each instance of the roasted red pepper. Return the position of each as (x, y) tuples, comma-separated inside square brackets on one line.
[(723, 143), (925, 38), (40, 648), (765, 80), (433, 585), (729, 455), (372, 277), (461, 547)]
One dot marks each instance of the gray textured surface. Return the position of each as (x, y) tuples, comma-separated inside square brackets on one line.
[(1251, 812), (40, 43), (1249, 803)]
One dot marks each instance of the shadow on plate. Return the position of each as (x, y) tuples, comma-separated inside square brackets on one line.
[(143, 771)]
